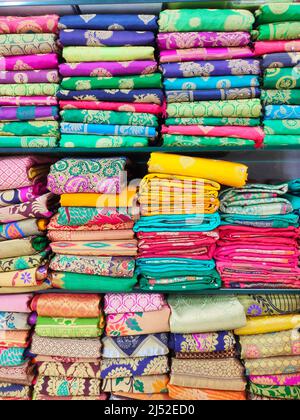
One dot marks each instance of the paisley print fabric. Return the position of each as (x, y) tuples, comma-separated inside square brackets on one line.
[(11, 356), (202, 343), (125, 368), (29, 24), (260, 305)]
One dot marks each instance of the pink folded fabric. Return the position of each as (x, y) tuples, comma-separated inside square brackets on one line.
[(29, 24), (251, 133), (112, 106), (29, 62), (91, 235), (236, 234), (121, 303), (15, 303), (197, 54), (28, 101), (270, 47), (292, 379)]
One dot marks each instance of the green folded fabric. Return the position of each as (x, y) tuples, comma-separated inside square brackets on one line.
[(89, 283), (281, 140), (247, 122), (282, 12), (94, 54), (126, 82), (30, 89), (280, 31), (39, 142), (281, 97), (109, 117), (68, 328), (282, 78), (197, 141), (282, 127), (273, 391), (30, 128), (94, 142)]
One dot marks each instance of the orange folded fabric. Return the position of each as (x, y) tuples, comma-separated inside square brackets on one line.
[(183, 393)]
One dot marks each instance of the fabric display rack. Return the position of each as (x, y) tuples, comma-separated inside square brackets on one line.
[(150, 201)]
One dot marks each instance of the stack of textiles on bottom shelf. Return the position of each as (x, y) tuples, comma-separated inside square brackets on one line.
[(211, 78), (135, 361), (92, 235), (270, 346), (16, 370), (258, 240), (205, 364), (25, 207), (67, 347), (177, 232), (279, 43), (28, 81), (111, 93)]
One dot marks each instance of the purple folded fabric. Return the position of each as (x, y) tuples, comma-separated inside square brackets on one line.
[(29, 62), (177, 40), (34, 76), (28, 113), (104, 69)]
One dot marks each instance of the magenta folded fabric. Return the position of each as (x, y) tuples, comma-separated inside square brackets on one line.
[(292, 379), (271, 47), (182, 40), (108, 69), (28, 101), (121, 303), (29, 62), (15, 303), (29, 24), (33, 76), (199, 54)]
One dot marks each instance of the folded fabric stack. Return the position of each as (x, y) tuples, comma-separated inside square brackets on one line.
[(67, 347), (111, 92), (135, 351), (92, 234), (16, 371), (177, 232), (205, 366), (25, 207), (279, 42), (270, 346), (258, 242), (211, 78), (29, 81)]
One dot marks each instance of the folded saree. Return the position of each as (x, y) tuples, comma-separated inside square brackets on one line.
[(22, 247), (124, 199), (96, 54), (33, 76), (278, 31), (126, 82), (233, 67), (266, 324), (101, 266), (194, 394), (134, 366), (108, 69), (286, 78), (292, 379), (24, 278), (28, 113), (113, 106), (182, 40), (84, 370), (274, 221), (239, 108), (241, 122), (109, 117), (282, 112), (282, 343), (269, 13), (22, 375), (275, 391), (116, 22), (101, 141), (196, 141), (22, 195), (211, 82), (11, 357), (291, 59), (43, 397), (187, 20), (107, 248), (27, 44), (205, 54), (174, 96), (67, 305), (15, 391), (30, 128), (33, 142), (281, 97), (22, 229), (273, 365), (273, 47), (220, 374), (78, 216), (81, 37), (138, 323), (89, 235), (28, 24), (282, 127), (65, 387), (135, 302), (260, 305), (190, 314), (18, 303), (153, 384), (279, 140), (69, 327), (135, 346), (151, 96), (91, 283), (71, 175), (27, 101), (24, 262), (29, 62), (227, 354), (202, 343), (106, 130), (222, 172), (29, 89), (11, 321)]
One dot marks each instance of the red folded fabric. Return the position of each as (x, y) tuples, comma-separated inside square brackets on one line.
[(270, 47), (112, 106)]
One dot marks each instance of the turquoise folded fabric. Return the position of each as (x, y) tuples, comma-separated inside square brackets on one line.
[(160, 268), (294, 185), (215, 82), (107, 130), (274, 221), (171, 223)]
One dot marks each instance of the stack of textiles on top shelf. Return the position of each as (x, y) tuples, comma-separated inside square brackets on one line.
[(135, 361), (92, 234), (177, 232), (270, 346), (111, 89), (25, 207), (205, 365), (16, 371), (67, 347), (278, 37), (211, 79), (258, 238), (28, 81)]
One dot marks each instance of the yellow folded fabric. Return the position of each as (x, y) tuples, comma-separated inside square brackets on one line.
[(94, 54), (226, 173), (169, 194), (126, 199), (269, 324)]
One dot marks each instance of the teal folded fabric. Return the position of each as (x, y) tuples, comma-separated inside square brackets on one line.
[(274, 221), (161, 268), (294, 199), (294, 185), (98, 142), (281, 140), (214, 82)]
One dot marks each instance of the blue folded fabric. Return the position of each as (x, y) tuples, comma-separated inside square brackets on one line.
[(149, 96), (180, 342), (290, 59), (218, 82), (282, 112), (107, 130), (174, 96)]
